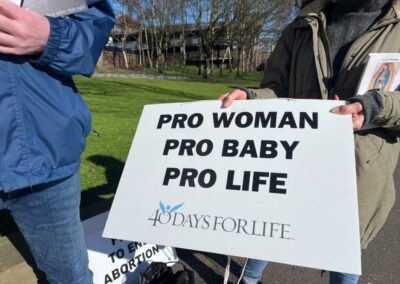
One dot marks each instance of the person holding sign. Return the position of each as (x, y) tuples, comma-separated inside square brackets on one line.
[(321, 55), (43, 126)]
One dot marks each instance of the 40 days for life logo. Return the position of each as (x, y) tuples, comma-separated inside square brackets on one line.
[(168, 215)]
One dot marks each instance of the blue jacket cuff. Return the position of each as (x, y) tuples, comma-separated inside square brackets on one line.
[(51, 50)]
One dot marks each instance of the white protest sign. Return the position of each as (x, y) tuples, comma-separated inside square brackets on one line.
[(116, 261), (265, 179)]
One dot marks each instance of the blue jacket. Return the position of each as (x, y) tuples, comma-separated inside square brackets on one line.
[(43, 119)]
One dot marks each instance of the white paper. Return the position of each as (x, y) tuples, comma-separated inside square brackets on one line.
[(381, 73), (313, 224)]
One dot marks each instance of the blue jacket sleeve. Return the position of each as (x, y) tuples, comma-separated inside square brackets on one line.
[(76, 41)]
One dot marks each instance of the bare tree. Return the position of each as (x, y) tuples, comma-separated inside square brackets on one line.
[(125, 23), (172, 19), (243, 25), (252, 20), (228, 39), (144, 43), (196, 6), (210, 22), (183, 20)]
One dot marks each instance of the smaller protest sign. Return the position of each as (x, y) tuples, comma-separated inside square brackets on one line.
[(117, 261)]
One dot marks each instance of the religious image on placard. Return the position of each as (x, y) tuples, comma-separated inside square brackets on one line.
[(381, 73), (383, 77)]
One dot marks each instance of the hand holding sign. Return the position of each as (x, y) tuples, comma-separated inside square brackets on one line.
[(22, 32), (236, 94), (355, 109)]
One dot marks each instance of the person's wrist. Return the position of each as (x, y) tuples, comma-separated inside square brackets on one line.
[(247, 93), (43, 32), (243, 95)]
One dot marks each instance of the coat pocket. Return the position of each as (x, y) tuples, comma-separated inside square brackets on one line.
[(378, 147)]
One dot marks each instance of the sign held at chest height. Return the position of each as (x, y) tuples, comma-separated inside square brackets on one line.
[(256, 175)]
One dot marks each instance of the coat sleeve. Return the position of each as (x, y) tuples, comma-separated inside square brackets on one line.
[(276, 73), (389, 116), (76, 41)]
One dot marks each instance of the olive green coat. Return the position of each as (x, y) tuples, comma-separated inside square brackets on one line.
[(300, 67)]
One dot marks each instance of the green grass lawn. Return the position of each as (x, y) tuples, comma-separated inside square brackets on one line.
[(116, 105)]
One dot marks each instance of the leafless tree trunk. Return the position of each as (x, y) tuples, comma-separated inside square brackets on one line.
[(230, 64), (156, 39), (183, 48), (221, 66), (197, 6), (148, 48), (123, 47), (139, 45)]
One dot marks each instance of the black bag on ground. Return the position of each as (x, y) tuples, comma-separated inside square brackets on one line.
[(160, 273), (184, 276), (156, 273)]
